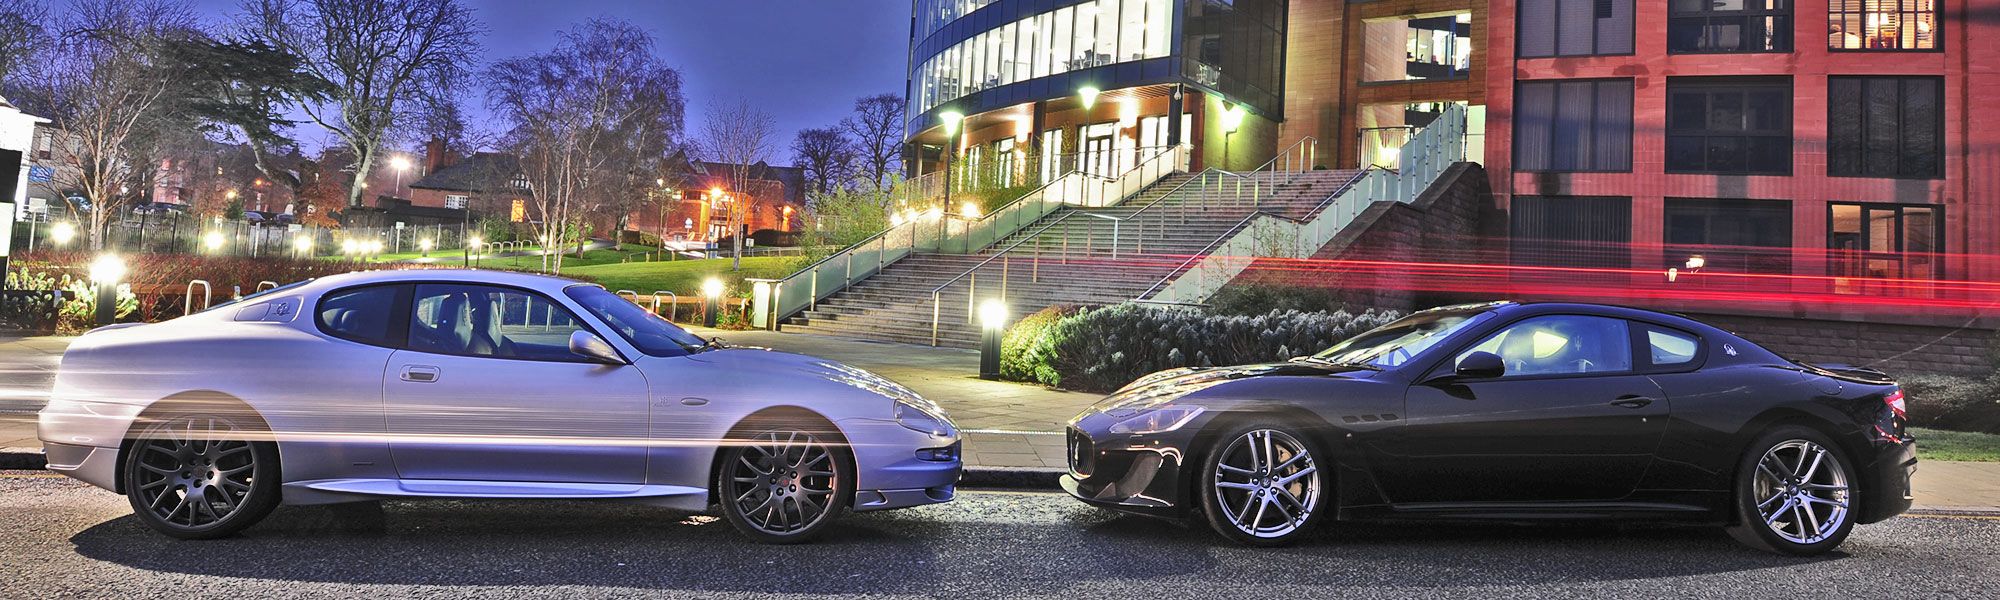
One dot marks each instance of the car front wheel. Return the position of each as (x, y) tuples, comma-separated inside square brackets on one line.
[(1794, 493), (1261, 485), (783, 485), (201, 476)]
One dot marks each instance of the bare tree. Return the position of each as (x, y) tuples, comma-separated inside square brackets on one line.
[(740, 136), (877, 129), (827, 157), (22, 40), (112, 102), (588, 119), (379, 55)]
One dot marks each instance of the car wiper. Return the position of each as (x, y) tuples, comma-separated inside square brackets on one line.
[(1337, 363)]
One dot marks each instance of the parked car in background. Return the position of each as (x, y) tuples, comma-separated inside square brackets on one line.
[(1509, 411), (478, 384)]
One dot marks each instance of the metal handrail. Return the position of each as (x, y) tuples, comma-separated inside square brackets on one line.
[(261, 286)]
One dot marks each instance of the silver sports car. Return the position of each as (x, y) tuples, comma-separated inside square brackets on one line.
[(478, 384)]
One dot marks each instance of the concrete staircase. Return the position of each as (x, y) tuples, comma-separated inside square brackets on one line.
[(1073, 256)]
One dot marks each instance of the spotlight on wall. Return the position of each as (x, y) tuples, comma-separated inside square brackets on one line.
[(1088, 95)]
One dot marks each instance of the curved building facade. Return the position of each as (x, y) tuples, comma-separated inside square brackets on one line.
[(1020, 90)]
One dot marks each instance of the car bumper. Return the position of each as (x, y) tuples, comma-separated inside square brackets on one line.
[(81, 439), (1134, 474), (1891, 494), (890, 473)]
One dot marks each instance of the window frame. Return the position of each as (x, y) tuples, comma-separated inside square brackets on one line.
[(1834, 14), (1631, 122), (1901, 209), (1744, 85), (1556, 33), (1901, 100), (1642, 357), (1450, 363), (410, 320), (399, 315), (1707, 15)]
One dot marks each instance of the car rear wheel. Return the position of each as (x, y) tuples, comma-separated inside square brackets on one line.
[(783, 485), (201, 476), (1794, 493), (1261, 485)]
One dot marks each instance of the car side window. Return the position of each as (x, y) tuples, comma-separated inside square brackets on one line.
[(1670, 348), (1559, 345), (489, 321), (364, 314)]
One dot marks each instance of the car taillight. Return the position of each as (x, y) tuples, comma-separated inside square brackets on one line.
[(1895, 402)]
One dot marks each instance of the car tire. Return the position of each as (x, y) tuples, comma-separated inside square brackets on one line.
[(782, 484), (1783, 510), (197, 476), (1254, 500)]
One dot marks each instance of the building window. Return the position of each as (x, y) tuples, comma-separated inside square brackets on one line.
[(454, 202), (1882, 24), (1885, 127), (1884, 241), (1429, 48), (1574, 28), (1573, 125), (1729, 125), (1698, 26), (1570, 231), (1088, 34), (1734, 236)]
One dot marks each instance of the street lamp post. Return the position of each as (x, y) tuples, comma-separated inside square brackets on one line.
[(400, 164)]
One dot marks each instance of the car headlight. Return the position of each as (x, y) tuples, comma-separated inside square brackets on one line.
[(1159, 420), (923, 416)]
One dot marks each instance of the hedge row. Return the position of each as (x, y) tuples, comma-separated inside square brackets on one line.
[(1100, 350)]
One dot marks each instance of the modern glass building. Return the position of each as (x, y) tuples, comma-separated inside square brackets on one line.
[(1021, 90)]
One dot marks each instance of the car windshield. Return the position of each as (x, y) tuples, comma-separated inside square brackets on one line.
[(650, 333), (1396, 343)]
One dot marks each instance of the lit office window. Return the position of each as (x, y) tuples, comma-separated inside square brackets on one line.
[(1884, 241), (1071, 38), (1882, 24), (1417, 49)]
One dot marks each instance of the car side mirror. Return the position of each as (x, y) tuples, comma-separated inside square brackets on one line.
[(588, 345), (1480, 365)]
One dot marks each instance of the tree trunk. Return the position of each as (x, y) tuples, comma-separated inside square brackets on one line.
[(363, 163)]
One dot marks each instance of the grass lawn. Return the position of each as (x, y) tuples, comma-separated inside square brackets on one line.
[(682, 277), (1936, 444)]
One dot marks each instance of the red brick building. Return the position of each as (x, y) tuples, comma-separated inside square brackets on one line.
[(695, 198), (1831, 144)]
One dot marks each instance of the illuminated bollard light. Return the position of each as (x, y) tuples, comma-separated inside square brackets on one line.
[(992, 322), (106, 271), (711, 292)]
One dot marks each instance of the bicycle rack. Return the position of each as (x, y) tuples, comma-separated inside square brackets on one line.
[(629, 295), (672, 309), (187, 300)]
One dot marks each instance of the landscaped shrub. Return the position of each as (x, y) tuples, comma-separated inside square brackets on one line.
[(1021, 347), (1954, 403), (1261, 299), (1100, 350)]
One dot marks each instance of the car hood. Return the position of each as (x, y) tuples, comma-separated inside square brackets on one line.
[(1165, 386), (753, 361)]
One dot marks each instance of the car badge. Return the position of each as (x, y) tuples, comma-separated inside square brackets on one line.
[(1729, 349)]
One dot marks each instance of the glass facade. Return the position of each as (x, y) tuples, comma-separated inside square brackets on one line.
[(1237, 47), (1089, 34), (1430, 48)]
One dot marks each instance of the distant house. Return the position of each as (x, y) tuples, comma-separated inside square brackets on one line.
[(697, 195), (486, 183)]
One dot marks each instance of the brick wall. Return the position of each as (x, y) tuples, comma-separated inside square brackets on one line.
[(1894, 348)]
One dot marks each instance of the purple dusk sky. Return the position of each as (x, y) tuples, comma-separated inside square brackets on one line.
[(803, 61)]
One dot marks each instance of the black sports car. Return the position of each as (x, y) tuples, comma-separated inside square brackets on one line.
[(1509, 411)]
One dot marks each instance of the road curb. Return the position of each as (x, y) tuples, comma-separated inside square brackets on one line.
[(1955, 511), (22, 459), (1012, 478)]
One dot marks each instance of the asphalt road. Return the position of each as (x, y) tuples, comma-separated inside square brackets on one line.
[(61, 538)]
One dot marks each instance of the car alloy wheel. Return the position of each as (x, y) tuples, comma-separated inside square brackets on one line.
[(1263, 486), (200, 476), (1794, 494), (1801, 492), (782, 485)]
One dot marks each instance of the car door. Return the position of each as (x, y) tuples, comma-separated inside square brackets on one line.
[(485, 389), (1570, 420)]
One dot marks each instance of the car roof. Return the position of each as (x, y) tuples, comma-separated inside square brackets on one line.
[(532, 281)]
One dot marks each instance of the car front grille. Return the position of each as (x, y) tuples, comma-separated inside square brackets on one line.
[(1082, 456)]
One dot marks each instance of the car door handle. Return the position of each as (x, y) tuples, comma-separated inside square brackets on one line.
[(420, 373), (1632, 401)]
